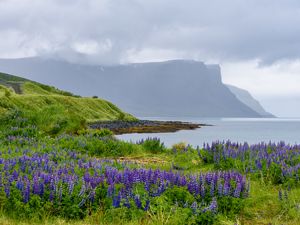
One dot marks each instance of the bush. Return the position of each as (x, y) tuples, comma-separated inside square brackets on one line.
[(98, 146), (95, 132), (181, 146), (153, 145)]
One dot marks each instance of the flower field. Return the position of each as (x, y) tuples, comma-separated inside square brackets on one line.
[(92, 178), (277, 162), (72, 184)]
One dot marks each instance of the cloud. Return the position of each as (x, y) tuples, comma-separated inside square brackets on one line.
[(256, 42), (112, 31), (276, 86), (277, 80)]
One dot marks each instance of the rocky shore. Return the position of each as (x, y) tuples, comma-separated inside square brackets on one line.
[(145, 126)]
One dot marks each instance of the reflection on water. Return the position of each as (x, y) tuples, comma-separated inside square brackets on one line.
[(252, 130)]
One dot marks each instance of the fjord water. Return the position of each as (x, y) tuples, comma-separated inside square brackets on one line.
[(251, 130)]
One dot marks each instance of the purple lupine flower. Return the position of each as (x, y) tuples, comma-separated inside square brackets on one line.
[(82, 190), (7, 190), (220, 189), (42, 189), (26, 191), (36, 186), (213, 206), (209, 178), (86, 177), (212, 188), (110, 190), (82, 202), (138, 202), (127, 203), (161, 189), (92, 195), (15, 175), (147, 185), (237, 191), (202, 190), (70, 186), (226, 189), (117, 201), (19, 184), (194, 207), (147, 205)]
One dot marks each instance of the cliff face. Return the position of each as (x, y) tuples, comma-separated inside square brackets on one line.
[(171, 88), (245, 97)]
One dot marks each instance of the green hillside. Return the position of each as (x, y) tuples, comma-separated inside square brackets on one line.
[(51, 109)]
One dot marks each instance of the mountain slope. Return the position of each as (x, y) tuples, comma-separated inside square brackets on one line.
[(245, 97), (52, 108), (171, 88)]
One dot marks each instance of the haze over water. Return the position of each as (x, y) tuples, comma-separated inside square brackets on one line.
[(251, 130)]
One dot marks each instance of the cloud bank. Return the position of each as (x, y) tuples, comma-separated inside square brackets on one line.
[(113, 31), (257, 42)]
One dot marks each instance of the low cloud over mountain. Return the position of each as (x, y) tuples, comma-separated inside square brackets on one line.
[(169, 88)]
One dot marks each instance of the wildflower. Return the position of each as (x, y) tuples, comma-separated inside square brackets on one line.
[(82, 202), (220, 189), (213, 206), (138, 202), (237, 191), (146, 208), (117, 201), (194, 207), (212, 188)]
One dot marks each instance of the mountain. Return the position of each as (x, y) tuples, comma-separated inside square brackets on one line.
[(51, 109), (170, 88), (245, 97)]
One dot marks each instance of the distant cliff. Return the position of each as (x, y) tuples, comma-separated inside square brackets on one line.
[(245, 97), (171, 88)]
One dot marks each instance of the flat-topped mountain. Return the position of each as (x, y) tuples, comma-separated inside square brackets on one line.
[(171, 88)]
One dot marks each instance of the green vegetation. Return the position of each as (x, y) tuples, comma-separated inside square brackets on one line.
[(53, 111), (82, 176), (91, 151)]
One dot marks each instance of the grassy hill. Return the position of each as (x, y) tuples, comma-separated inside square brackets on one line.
[(51, 109)]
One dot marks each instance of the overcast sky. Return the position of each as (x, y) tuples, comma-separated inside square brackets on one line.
[(257, 42)]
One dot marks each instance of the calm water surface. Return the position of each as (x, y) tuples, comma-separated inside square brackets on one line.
[(252, 130)]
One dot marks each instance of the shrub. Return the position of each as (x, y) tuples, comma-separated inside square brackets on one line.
[(95, 132), (181, 146), (153, 145)]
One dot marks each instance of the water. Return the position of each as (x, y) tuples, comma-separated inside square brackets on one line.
[(252, 130)]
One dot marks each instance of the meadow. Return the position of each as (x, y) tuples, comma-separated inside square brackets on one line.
[(54, 170), (89, 177)]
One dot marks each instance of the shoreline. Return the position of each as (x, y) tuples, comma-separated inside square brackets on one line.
[(145, 126)]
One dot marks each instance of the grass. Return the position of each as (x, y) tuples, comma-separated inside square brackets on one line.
[(262, 207), (53, 110), (46, 110)]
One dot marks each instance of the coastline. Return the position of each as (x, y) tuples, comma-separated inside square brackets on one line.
[(145, 126)]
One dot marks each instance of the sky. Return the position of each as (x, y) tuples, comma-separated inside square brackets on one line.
[(256, 42)]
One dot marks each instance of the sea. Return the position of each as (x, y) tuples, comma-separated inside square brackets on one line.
[(251, 130)]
